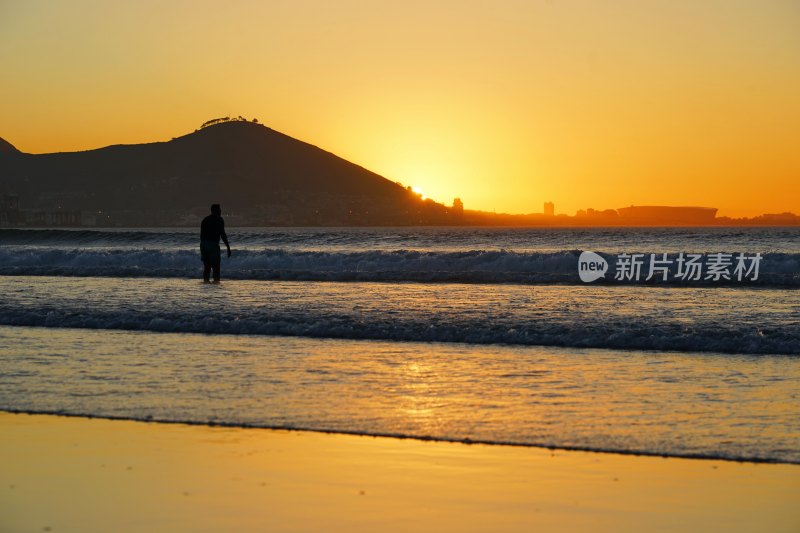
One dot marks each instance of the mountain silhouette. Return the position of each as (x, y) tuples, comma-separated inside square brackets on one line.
[(6, 147), (255, 172)]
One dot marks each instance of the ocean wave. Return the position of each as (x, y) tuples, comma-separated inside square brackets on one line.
[(473, 266), (612, 332), (89, 237), (438, 238)]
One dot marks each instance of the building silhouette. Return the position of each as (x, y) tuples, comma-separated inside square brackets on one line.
[(662, 214)]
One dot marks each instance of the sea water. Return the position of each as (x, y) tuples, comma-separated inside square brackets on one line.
[(477, 335)]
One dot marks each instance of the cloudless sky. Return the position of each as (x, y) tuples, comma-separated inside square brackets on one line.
[(506, 104)]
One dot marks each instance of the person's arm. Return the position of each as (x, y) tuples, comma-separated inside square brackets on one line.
[(224, 236)]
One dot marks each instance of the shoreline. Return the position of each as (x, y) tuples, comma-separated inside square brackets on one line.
[(69, 473), (403, 437)]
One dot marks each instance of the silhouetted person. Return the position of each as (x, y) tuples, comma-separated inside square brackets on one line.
[(212, 229)]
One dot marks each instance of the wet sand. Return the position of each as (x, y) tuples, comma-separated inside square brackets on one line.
[(77, 474)]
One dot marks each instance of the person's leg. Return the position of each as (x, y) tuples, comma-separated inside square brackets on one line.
[(206, 270), (215, 268)]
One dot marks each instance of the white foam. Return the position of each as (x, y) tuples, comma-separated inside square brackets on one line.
[(475, 266)]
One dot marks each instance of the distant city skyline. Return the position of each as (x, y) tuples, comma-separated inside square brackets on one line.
[(505, 105)]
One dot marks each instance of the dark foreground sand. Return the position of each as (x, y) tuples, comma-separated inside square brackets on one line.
[(75, 474)]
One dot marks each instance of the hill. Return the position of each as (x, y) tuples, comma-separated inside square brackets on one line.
[(6, 147), (259, 175)]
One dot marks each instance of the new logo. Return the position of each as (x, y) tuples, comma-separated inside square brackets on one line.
[(591, 267)]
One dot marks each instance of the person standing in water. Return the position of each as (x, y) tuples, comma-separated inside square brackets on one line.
[(212, 229)]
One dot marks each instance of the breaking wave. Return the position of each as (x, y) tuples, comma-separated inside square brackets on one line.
[(612, 331), (474, 266)]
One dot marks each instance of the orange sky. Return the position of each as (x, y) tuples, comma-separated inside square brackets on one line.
[(507, 104)]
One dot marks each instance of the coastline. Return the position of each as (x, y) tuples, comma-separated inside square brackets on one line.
[(82, 474)]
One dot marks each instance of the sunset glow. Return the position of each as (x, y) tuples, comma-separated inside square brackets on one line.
[(505, 105), (429, 266)]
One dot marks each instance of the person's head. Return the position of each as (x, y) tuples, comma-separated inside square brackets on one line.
[(216, 209)]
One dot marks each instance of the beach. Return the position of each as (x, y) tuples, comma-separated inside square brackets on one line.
[(80, 474), (384, 379)]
